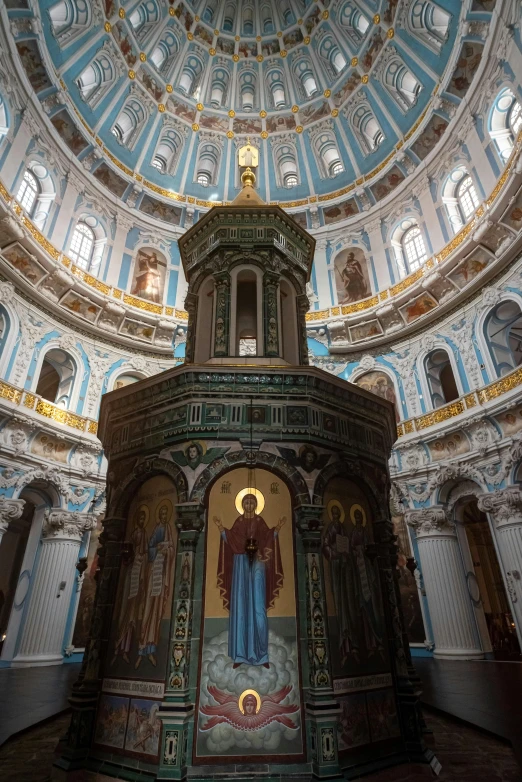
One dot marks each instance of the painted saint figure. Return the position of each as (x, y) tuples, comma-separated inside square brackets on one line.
[(365, 583), (161, 555), (134, 585), (353, 279), (249, 584)]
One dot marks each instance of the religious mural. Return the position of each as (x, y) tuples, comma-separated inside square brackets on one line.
[(388, 183), (351, 276), (340, 211), (465, 69), (65, 126), (430, 137), (110, 179), (470, 267), (381, 384), (140, 627), (24, 263), (513, 216), (249, 702), (148, 278), (411, 608), (86, 601)]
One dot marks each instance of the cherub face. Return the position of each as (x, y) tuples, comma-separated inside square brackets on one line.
[(309, 458), (192, 452), (250, 704)]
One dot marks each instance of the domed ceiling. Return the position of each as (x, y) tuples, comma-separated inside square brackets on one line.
[(334, 94)]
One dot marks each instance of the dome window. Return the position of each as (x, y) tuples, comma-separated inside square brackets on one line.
[(229, 17), (429, 23), (467, 196), (82, 245), (36, 193), (203, 179), (414, 248), (441, 379), (70, 19), (143, 18), (96, 80), (28, 192), (460, 197), (503, 330), (129, 123), (505, 122), (166, 154), (402, 85)]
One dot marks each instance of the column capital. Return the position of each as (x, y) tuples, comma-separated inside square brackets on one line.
[(190, 521), (309, 522), (66, 525), (430, 522), (9, 511), (504, 505)]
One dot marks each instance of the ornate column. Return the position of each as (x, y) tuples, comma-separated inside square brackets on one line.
[(177, 709), (43, 632), (505, 509), (322, 709), (303, 305), (9, 511), (270, 316), (191, 304), (222, 321), (454, 629)]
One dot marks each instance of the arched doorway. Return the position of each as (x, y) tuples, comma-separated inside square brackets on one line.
[(12, 551), (485, 583)]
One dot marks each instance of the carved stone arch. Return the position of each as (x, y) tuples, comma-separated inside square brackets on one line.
[(354, 471), (264, 461), (453, 492), (149, 467)]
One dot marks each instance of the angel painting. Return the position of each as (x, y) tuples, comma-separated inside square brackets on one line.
[(194, 455), (307, 459), (250, 711)]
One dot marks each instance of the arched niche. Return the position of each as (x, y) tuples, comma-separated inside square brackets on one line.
[(246, 308), (288, 321), (205, 320), (352, 281), (56, 378)]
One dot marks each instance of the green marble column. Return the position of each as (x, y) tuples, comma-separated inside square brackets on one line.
[(271, 314), (222, 316), (177, 708)]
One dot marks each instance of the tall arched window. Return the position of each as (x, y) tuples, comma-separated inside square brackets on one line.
[(96, 79), (276, 85), (353, 21), (28, 192), (248, 19), (143, 18), (164, 54), (70, 19), (408, 244), (210, 11), (286, 168), (326, 150), (218, 86), (441, 380), (402, 85), (167, 153), (207, 167), (332, 57), (366, 128), (304, 77), (247, 88), (129, 123), (82, 245), (56, 378), (429, 23), (505, 121), (229, 17), (4, 126), (503, 330), (285, 12), (191, 75), (460, 197), (267, 19)]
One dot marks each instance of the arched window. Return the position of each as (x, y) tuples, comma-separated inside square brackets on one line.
[(460, 197), (267, 20), (276, 85), (286, 168), (408, 244), (82, 245), (70, 19), (4, 125), (441, 380), (304, 77), (366, 128), (96, 80), (503, 330), (286, 13), (209, 12), (505, 122), (56, 378), (402, 85), (429, 23), (167, 153), (329, 51), (326, 151), (207, 167), (229, 17), (36, 193), (248, 19), (129, 123), (28, 192), (191, 75), (143, 18), (353, 21), (218, 86), (247, 88), (164, 54)]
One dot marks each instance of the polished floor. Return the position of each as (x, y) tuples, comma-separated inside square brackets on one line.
[(30, 695)]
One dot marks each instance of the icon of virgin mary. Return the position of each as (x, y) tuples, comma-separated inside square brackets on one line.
[(250, 577)]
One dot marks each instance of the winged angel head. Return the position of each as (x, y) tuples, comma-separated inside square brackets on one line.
[(250, 711)]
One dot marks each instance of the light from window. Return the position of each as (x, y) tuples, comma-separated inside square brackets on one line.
[(159, 163), (515, 117), (28, 192), (467, 196), (291, 180), (414, 249), (310, 85), (82, 244), (203, 179), (248, 346), (336, 168)]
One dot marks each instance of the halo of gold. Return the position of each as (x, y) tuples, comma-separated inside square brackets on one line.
[(262, 113), (168, 504), (212, 52), (260, 58), (231, 113), (336, 504), (147, 512), (295, 108), (202, 444), (260, 497), (299, 129), (335, 112), (243, 696), (364, 79), (352, 513), (190, 36)]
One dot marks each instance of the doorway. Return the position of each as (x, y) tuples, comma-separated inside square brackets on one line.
[(12, 551)]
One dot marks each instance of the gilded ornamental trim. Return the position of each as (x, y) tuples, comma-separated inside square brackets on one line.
[(47, 409)]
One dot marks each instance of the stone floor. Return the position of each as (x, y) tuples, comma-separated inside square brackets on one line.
[(466, 755)]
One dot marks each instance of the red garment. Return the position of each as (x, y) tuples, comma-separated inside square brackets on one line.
[(268, 552)]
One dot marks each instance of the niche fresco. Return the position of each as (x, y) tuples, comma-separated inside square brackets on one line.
[(86, 601), (249, 702), (381, 384), (351, 276), (148, 278)]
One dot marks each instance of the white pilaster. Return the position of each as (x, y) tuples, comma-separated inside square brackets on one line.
[(454, 629), (505, 510), (43, 633)]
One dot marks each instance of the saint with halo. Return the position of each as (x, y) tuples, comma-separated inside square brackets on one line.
[(250, 577)]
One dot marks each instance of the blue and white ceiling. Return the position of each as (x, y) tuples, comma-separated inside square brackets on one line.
[(161, 93)]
